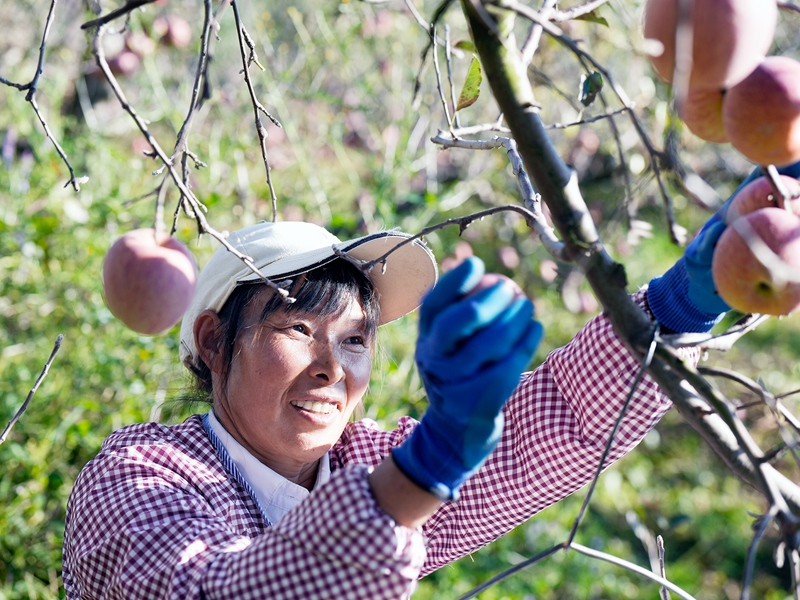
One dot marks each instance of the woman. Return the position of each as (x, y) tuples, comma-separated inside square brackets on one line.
[(277, 493)]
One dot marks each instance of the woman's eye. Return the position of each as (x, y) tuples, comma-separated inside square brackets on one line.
[(299, 327), (357, 339)]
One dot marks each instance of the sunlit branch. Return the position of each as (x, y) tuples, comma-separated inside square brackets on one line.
[(722, 341), (249, 57), (529, 197), (531, 42), (24, 407), (30, 97), (196, 207), (646, 360), (632, 567), (127, 8), (511, 571), (439, 86), (582, 55), (662, 566), (578, 11)]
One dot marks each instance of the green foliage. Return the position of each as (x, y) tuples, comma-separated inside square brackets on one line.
[(353, 154)]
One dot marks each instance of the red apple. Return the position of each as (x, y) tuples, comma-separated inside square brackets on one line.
[(702, 114), (173, 31), (492, 279), (125, 63), (730, 37), (762, 113), (140, 44), (750, 282), (148, 280), (759, 193)]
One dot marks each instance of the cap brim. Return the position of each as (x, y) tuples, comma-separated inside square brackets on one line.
[(401, 280)]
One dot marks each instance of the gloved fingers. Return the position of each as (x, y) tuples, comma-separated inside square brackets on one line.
[(483, 393), (452, 286), (482, 353), (458, 322), (495, 341)]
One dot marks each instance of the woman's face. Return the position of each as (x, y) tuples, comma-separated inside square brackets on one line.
[(293, 383)]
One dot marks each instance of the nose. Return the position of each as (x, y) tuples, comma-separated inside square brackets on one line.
[(327, 364)]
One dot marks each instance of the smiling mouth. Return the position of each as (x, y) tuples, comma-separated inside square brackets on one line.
[(322, 408)]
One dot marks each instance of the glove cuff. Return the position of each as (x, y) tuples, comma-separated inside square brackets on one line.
[(429, 459), (669, 301), (407, 460)]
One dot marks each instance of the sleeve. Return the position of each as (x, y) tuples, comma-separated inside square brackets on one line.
[(558, 422), (138, 531)]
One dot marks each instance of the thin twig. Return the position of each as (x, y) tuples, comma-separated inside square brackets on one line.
[(749, 571), (258, 108), (127, 8), (601, 464), (530, 199), (24, 407), (632, 567), (662, 566), (559, 36), (201, 73), (196, 206), (439, 87), (449, 61), (579, 11), (30, 97), (511, 571), (722, 342)]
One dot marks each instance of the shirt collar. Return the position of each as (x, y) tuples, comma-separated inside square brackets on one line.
[(275, 494)]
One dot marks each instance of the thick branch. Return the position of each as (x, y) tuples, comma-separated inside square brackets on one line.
[(557, 184)]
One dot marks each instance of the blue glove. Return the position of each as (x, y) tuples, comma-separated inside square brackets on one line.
[(685, 298), (470, 354)]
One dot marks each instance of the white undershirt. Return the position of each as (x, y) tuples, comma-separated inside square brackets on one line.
[(275, 494)]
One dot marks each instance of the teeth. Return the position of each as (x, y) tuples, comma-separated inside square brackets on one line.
[(317, 407)]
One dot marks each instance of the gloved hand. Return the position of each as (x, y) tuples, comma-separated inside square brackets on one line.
[(470, 353), (685, 298)]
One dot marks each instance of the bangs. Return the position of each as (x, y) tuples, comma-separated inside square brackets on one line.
[(328, 290)]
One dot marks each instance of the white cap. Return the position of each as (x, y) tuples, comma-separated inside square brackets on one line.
[(287, 248)]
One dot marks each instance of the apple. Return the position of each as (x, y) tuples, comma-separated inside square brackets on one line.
[(491, 279), (702, 114), (148, 280), (173, 31), (140, 44), (125, 63), (729, 38), (750, 285), (761, 114), (760, 193)]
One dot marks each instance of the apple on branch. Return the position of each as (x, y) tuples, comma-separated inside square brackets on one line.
[(702, 114), (760, 193), (756, 264), (729, 38), (148, 280), (761, 114)]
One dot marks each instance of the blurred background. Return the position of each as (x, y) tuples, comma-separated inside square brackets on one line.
[(353, 154)]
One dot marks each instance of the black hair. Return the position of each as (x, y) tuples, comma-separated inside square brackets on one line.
[(324, 291)]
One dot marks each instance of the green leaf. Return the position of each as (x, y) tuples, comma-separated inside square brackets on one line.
[(592, 17), (472, 86), (590, 87), (466, 45)]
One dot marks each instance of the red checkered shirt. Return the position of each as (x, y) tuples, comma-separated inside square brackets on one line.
[(158, 514)]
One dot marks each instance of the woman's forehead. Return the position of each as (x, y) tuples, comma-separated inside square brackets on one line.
[(350, 308)]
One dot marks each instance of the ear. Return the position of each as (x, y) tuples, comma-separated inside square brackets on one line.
[(206, 339)]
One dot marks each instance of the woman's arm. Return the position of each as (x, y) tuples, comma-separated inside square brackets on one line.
[(401, 498), (155, 517), (557, 424)]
